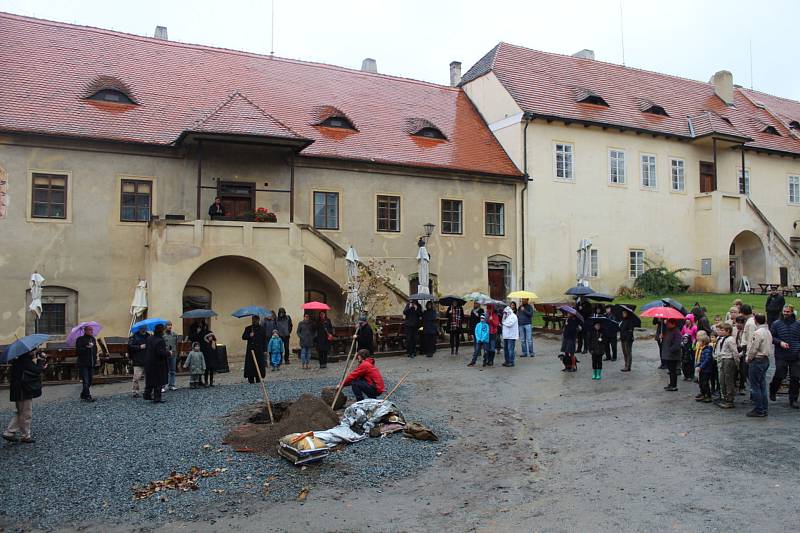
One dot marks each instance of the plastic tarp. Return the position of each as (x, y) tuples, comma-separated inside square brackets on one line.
[(357, 421)]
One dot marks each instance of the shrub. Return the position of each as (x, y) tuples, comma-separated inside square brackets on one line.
[(633, 293), (660, 280)]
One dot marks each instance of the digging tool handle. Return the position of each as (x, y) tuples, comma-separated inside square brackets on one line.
[(263, 388), (347, 364), (396, 386)]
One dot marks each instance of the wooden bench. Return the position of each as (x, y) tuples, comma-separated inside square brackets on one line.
[(553, 318)]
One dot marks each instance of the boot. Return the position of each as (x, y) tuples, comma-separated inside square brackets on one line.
[(594, 373), (599, 373)]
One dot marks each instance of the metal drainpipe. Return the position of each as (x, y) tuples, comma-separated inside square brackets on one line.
[(527, 118)]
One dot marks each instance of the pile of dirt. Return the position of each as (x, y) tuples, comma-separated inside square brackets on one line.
[(307, 413)]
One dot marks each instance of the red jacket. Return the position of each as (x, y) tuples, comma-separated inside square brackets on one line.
[(493, 320), (369, 373)]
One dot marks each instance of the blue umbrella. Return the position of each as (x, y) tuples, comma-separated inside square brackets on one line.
[(199, 313), (579, 290), (650, 305), (149, 324), (252, 310), (23, 346)]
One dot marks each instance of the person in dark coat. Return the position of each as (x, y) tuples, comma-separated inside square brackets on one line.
[(626, 328), (157, 355), (25, 380), (364, 336), (610, 329), (216, 210), (256, 337), (701, 319), (411, 322), (786, 339), (584, 307), (208, 345), (86, 351), (774, 307), (283, 323), (597, 347), (569, 336), (324, 338), (197, 330), (138, 356), (671, 352), (430, 329)]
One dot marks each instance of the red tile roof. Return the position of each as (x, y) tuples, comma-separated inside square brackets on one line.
[(545, 84), (49, 67)]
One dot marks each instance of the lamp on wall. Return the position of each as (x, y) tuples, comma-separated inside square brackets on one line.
[(427, 232)]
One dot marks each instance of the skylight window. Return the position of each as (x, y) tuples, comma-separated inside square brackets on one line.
[(771, 130), (656, 110), (338, 122), (430, 132), (112, 95)]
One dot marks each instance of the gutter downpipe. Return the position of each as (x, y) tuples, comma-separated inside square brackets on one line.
[(527, 117)]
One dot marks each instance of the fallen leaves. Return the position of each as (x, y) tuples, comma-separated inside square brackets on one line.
[(176, 481), (303, 494)]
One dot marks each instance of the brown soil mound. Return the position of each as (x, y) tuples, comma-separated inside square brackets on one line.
[(307, 413)]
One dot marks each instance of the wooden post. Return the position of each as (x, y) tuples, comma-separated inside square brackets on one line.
[(263, 387), (396, 386), (346, 370)]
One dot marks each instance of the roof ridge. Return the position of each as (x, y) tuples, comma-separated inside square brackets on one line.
[(180, 44), (745, 89)]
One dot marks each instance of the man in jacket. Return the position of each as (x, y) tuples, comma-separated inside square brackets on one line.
[(610, 329), (307, 334), (137, 343), (412, 317), (283, 323), (366, 379), (774, 306), (156, 355), (525, 320), (786, 338), (86, 351), (25, 382), (171, 338), (671, 352), (364, 335), (726, 354), (757, 364), (626, 328)]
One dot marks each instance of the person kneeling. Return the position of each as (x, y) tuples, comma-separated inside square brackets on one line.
[(366, 379)]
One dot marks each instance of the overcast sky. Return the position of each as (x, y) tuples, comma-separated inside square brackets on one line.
[(419, 38)]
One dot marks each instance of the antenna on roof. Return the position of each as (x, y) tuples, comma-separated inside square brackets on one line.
[(621, 33), (272, 31), (751, 64)]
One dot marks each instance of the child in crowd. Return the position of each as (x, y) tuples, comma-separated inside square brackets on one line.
[(196, 364), (704, 361), (481, 341), (597, 348), (569, 337), (275, 350)]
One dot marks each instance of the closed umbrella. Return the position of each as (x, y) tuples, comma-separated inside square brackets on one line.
[(199, 313), (353, 304), (77, 331), (36, 298), (584, 261), (139, 303), (23, 346), (423, 270)]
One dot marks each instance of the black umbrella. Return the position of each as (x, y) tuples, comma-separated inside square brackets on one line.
[(422, 296), (604, 320), (451, 299), (600, 297), (579, 290), (675, 304), (617, 310), (199, 313)]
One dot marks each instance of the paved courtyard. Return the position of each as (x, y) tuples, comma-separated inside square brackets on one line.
[(523, 449)]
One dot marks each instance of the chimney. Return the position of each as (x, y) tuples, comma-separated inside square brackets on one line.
[(584, 54), (455, 73), (369, 65), (161, 33), (723, 86)]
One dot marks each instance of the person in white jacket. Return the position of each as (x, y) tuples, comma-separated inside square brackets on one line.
[(510, 335)]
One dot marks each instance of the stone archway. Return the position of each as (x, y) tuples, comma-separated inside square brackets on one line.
[(747, 259), (318, 286), (231, 282)]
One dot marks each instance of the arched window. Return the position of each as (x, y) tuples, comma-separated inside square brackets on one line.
[(112, 95), (338, 122), (59, 312), (430, 133), (314, 295)]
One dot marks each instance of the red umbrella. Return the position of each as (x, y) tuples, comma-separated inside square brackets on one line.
[(663, 312), (316, 306)]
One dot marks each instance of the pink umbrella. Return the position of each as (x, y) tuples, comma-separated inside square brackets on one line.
[(663, 312), (77, 331), (316, 306)]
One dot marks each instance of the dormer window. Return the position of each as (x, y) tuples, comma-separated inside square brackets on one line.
[(112, 95), (771, 130), (795, 125), (338, 122), (430, 132), (656, 110), (726, 119), (586, 96)]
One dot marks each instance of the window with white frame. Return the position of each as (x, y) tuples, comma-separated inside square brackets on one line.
[(648, 171), (564, 160), (495, 219), (705, 267), (594, 264), (616, 167), (744, 181), (678, 170), (452, 211), (636, 263), (794, 189)]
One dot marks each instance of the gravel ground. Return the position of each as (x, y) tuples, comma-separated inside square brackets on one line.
[(88, 456)]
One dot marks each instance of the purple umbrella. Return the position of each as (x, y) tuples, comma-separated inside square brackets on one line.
[(571, 311), (77, 331)]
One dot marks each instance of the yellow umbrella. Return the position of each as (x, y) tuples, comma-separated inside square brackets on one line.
[(522, 295)]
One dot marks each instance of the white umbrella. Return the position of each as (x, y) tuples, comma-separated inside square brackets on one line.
[(139, 303), (423, 273), (36, 297), (584, 262), (353, 304)]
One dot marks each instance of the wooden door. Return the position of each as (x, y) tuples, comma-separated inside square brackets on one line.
[(238, 199), (707, 181), (497, 283)]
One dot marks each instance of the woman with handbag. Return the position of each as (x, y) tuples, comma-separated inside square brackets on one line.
[(324, 338), (26, 384)]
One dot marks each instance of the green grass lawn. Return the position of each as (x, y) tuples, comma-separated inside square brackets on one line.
[(715, 304)]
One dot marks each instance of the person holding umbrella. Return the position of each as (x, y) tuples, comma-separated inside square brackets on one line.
[(256, 338), (610, 329), (494, 325), (171, 338), (137, 343), (25, 382), (455, 317), (568, 338), (86, 351), (430, 329), (525, 320), (671, 352), (510, 336), (324, 338), (626, 328), (157, 355), (412, 314)]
